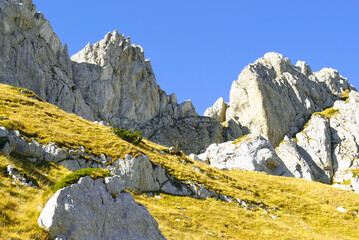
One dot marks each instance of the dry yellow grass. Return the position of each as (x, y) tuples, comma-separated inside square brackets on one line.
[(306, 210), (20, 206)]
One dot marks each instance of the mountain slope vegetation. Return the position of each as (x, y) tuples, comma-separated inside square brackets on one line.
[(295, 208)]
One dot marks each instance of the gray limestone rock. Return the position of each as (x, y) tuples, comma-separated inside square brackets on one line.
[(118, 83), (314, 144), (19, 177), (190, 134), (345, 133), (272, 97), (138, 173), (326, 148), (251, 153), (97, 209), (32, 56), (109, 81), (217, 111), (294, 165)]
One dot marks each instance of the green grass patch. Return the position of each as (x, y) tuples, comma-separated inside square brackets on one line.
[(130, 136), (72, 178)]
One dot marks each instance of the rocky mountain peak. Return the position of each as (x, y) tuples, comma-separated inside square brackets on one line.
[(275, 98)]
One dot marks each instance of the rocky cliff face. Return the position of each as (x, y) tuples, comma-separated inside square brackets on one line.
[(32, 56), (119, 84), (326, 150), (108, 81), (275, 98)]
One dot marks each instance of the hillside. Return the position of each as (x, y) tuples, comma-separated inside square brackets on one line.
[(297, 209)]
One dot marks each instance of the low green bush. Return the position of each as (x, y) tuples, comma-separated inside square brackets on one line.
[(128, 135), (72, 178)]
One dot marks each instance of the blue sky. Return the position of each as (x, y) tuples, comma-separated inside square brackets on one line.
[(197, 47)]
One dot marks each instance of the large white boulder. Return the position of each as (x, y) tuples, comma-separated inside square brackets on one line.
[(97, 209), (251, 153), (139, 174)]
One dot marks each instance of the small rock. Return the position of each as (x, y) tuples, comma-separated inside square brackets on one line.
[(341, 209)]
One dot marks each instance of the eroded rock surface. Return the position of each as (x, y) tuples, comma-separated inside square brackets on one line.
[(327, 148), (97, 209), (217, 111), (251, 153), (33, 57), (275, 98), (109, 81)]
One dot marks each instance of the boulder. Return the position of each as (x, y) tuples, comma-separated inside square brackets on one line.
[(139, 174), (251, 152), (97, 209)]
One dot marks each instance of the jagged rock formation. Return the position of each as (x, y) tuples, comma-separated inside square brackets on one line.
[(251, 153), (32, 56), (295, 164), (97, 209), (327, 148), (217, 111), (108, 81), (120, 86), (275, 98)]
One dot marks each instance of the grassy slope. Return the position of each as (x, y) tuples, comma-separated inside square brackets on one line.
[(307, 210), (19, 205)]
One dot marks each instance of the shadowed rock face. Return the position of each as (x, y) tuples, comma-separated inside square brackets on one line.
[(274, 98)]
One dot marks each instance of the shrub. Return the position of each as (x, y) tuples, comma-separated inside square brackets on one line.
[(128, 135), (72, 178)]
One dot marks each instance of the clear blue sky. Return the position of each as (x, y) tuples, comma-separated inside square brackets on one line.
[(197, 48)]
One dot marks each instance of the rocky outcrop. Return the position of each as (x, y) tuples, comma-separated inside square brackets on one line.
[(295, 164), (119, 84), (32, 57), (136, 173), (191, 134), (20, 177), (97, 209), (12, 142), (217, 111), (275, 98), (327, 148), (109, 81), (250, 153)]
